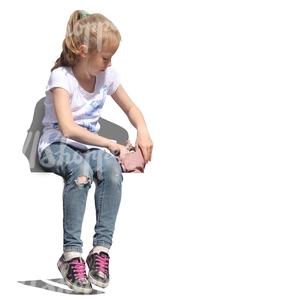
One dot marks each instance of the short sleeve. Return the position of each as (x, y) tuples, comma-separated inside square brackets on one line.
[(113, 80), (59, 78)]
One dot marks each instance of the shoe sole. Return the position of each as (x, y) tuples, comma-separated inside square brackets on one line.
[(75, 288), (96, 282)]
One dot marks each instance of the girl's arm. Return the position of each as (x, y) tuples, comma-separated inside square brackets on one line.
[(143, 140), (71, 130)]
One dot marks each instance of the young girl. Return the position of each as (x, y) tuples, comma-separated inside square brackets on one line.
[(70, 147)]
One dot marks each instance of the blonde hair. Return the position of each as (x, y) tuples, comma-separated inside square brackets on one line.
[(94, 31)]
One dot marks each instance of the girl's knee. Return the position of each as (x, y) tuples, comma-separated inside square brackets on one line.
[(82, 173), (83, 180), (114, 177), (112, 171)]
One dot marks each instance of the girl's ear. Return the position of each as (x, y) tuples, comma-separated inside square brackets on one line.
[(83, 50)]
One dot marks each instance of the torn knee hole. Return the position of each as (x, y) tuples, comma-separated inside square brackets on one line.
[(81, 180)]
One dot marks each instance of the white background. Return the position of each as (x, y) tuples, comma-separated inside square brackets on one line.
[(216, 214)]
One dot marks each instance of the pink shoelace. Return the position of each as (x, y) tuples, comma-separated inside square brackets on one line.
[(79, 268), (102, 264)]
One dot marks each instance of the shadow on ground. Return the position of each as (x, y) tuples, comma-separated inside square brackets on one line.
[(55, 288)]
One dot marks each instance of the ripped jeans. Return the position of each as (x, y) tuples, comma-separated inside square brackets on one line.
[(78, 169)]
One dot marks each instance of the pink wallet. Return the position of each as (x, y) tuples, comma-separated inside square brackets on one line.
[(132, 162)]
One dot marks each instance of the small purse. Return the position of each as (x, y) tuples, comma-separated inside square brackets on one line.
[(133, 161)]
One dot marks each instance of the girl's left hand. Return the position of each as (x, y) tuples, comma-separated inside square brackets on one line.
[(145, 144)]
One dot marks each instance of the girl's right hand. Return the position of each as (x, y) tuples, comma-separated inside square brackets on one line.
[(117, 149)]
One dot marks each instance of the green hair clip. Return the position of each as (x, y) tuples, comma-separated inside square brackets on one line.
[(84, 13)]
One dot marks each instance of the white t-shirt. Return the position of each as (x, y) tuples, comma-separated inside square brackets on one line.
[(86, 107)]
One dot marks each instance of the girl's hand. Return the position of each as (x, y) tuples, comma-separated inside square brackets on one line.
[(143, 140), (145, 144), (117, 149)]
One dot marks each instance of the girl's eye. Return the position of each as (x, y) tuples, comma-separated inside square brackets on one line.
[(104, 58)]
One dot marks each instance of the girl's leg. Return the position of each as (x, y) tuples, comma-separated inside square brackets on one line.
[(78, 175), (108, 193), (68, 163), (107, 201)]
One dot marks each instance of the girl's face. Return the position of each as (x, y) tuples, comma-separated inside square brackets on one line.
[(99, 62)]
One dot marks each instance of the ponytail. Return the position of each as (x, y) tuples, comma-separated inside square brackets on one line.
[(94, 31)]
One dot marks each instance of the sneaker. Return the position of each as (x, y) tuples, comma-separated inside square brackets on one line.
[(98, 265), (73, 272)]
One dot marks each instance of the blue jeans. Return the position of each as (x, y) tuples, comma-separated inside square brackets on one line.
[(79, 169)]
